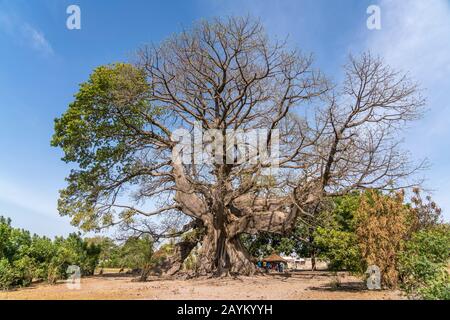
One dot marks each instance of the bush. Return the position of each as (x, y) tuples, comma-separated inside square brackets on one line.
[(24, 257), (423, 264), (7, 275), (340, 248), (383, 223)]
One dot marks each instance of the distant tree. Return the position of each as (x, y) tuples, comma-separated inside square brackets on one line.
[(137, 253), (109, 251), (24, 257), (16, 267), (427, 213)]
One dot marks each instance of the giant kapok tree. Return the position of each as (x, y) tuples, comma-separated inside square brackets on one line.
[(226, 75)]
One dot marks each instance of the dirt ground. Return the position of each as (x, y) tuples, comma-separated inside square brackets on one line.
[(292, 286)]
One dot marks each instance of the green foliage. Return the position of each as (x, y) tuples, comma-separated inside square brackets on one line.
[(109, 252), (340, 248), (76, 251), (98, 132), (424, 263), (137, 253), (8, 277), (265, 243), (24, 257), (336, 241), (344, 210)]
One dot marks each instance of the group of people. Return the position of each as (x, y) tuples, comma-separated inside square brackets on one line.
[(270, 266)]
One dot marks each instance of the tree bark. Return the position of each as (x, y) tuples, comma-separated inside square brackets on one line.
[(313, 259), (221, 254), (221, 251)]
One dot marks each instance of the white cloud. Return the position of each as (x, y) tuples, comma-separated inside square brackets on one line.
[(25, 34), (36, 39), (416, 34), (415, 37)]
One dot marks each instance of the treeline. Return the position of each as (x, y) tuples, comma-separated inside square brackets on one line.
[(25, 258), (407, 240), (134, 253)]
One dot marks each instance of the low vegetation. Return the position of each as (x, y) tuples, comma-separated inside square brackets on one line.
[(406, 240), (25, 257)]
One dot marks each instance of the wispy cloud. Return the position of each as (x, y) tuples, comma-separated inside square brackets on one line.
[(36, 39), (23, 33), (416, 34), (415, 37), (32, 200)]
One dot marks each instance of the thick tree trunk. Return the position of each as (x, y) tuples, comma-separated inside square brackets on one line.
[(225, 218), (223, 255), (175, 262)]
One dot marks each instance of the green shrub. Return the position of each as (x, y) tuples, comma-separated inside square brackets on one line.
[(7, 274), (339, 248), (137, 253), (424, 262), (24, 258)]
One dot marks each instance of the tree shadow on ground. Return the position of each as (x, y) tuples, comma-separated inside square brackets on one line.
[(116, 275), (342, 287)]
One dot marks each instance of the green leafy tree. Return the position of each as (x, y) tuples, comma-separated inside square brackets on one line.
[(109, 256), (24, 257), (42, 251), (424, 264), (340, 249), (97, 133), (336, 240), (17, 267), (8, 276), (137, 253)]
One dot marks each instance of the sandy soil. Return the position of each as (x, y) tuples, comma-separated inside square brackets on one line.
[(293, 286)]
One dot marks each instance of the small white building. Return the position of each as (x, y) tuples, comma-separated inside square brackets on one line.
[(294, 263), (298, 263)]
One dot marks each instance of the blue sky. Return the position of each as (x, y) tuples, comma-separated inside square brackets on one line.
[(42, 63)]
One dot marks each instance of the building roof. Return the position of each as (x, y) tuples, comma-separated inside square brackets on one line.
[(273, 258)]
